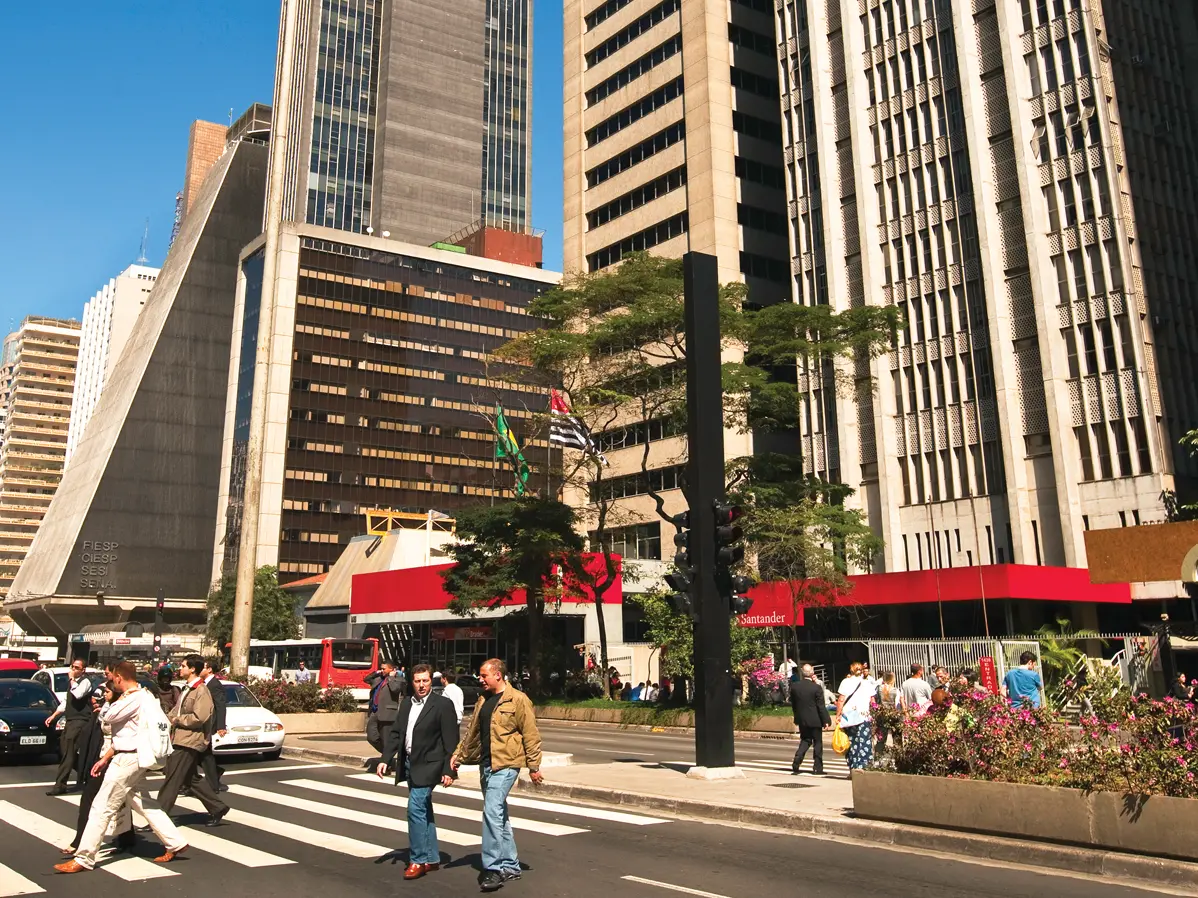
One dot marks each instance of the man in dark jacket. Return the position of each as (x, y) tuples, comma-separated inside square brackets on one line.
[(216, 724), (811, 717), (419, 745), (386, 692)]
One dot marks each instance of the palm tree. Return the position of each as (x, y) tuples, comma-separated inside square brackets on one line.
[(1059, 653)]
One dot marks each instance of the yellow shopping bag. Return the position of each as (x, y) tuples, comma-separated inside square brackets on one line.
[(840, 741)]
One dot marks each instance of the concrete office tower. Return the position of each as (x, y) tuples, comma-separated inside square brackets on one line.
[(379, 391), (108, 319), (408, 117), (672, 136), (134, 512), (1029, 203), (38, 381)]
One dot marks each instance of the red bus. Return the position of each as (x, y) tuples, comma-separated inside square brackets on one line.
[(333, 662)]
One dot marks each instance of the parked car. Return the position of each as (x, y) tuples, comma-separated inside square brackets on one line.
[(250, 728), (24, 707), (58, 680), (17, 668)]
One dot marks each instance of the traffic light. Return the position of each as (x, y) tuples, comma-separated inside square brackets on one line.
[(727, 534), (681, 597), (738, 601), (682, 537), (682, 579)]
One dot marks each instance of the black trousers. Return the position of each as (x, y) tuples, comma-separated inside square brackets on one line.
[(91, 786), (810, 737), (376, 731), (180, 772), (212, 770), (70, 743)]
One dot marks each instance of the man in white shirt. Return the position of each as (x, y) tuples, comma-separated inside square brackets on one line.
[(303, 675), (123, 776), (420, 744), (78, 710), (453, 692)]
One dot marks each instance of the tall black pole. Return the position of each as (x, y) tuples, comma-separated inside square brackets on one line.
[(704, 487), (159, 606)]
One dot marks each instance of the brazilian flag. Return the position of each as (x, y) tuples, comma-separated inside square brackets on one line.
[(507, 447)]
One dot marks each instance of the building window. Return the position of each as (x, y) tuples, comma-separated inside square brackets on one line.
[(639, 542), (631, 31), (634, 112), (640, 433), (648, 147), (642, 240), (604, 11), (634, 199), (634, 70), (656, 480)]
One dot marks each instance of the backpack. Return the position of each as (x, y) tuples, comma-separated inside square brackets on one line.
[(153, 734)]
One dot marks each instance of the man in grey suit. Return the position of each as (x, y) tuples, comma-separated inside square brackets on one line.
[(811, 716), (386, 693)]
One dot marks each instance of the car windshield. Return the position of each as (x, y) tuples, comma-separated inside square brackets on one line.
[(14, 673), (26, 697), (240, 696)]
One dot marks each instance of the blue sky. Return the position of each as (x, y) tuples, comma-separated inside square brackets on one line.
[(101, 98)]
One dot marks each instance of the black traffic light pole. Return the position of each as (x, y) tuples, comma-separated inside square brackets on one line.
[(705, 488)]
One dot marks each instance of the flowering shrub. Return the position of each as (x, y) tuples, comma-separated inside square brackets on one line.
[(284, 697), (763, 679), (1124, 743)]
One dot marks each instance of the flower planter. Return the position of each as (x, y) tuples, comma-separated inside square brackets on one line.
[(1153, 825), (323, 722)]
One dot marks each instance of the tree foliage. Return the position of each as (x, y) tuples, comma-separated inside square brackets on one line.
[(674, 633), (513, 546), (274, 610)]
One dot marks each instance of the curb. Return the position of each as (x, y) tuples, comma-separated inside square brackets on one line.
[(649, 728), (1088, 861)]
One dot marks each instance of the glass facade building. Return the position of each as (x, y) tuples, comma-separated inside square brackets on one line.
[(507, 110)]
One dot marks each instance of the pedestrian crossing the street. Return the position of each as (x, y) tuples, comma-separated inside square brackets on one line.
[(278, 821)]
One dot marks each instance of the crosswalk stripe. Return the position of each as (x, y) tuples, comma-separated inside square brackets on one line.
[(536, 804), (328, 810), (230, 851), (441, 809), (313, 838), (130, 869), (13, 883)]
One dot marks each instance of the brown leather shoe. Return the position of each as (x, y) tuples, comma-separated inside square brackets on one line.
[(415, 871), (71, 866), (169, 856)]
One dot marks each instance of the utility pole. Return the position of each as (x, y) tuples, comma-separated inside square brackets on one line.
[(714, 747), (247, 557), (159, 607)]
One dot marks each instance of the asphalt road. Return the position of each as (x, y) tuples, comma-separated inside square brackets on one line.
[(301, 829)]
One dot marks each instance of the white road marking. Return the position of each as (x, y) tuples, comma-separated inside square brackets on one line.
[(441, 809), (311, 838), (13, 883), (329, 810), (130, 869), (671, 887), (536, 804), (624, 751), (237, 772), (223, 848)]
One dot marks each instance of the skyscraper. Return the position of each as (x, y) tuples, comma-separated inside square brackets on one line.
[(1018, 178), (408, 117)]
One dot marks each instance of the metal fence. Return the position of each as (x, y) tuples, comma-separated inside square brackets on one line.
[(899, 655)]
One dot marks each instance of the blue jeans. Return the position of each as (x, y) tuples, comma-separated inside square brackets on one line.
[(499, 847), (422, 828)]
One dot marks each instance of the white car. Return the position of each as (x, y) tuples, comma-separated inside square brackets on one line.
[(58, 680), (249, 728)]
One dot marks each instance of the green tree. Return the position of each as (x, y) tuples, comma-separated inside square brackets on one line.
[(274, 610), (1059, 651), (521, 545), (674, 633)]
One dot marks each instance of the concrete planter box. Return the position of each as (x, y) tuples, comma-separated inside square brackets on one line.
[(324, 722), (1154, 825), (636, 714)]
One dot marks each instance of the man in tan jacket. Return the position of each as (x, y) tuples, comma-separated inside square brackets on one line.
[(189, 720), (502, 738)]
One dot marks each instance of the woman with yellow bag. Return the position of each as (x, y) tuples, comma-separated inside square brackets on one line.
[(852, 727)]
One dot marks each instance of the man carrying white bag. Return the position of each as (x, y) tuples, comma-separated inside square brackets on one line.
[(140, 743)]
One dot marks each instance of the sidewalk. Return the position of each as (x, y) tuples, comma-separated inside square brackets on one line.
[(808, 805)]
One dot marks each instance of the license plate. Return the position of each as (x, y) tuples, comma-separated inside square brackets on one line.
[(33, 740), (247, 738)]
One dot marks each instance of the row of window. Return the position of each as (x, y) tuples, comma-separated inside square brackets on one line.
[(650, 146), (760, 173), (634, 112), (638, 434), (635, 69), (603, 12), (1055, 65), (760, 219), (897, 19), (1071, 276), (751, 40), (634, 199), (945, 475), (656, 481), (632, 31), (637, 542), (1094, 444), (650, 237), (1041, 10), (752, 126), (765, 267), (1106, 343), (757, 84)]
